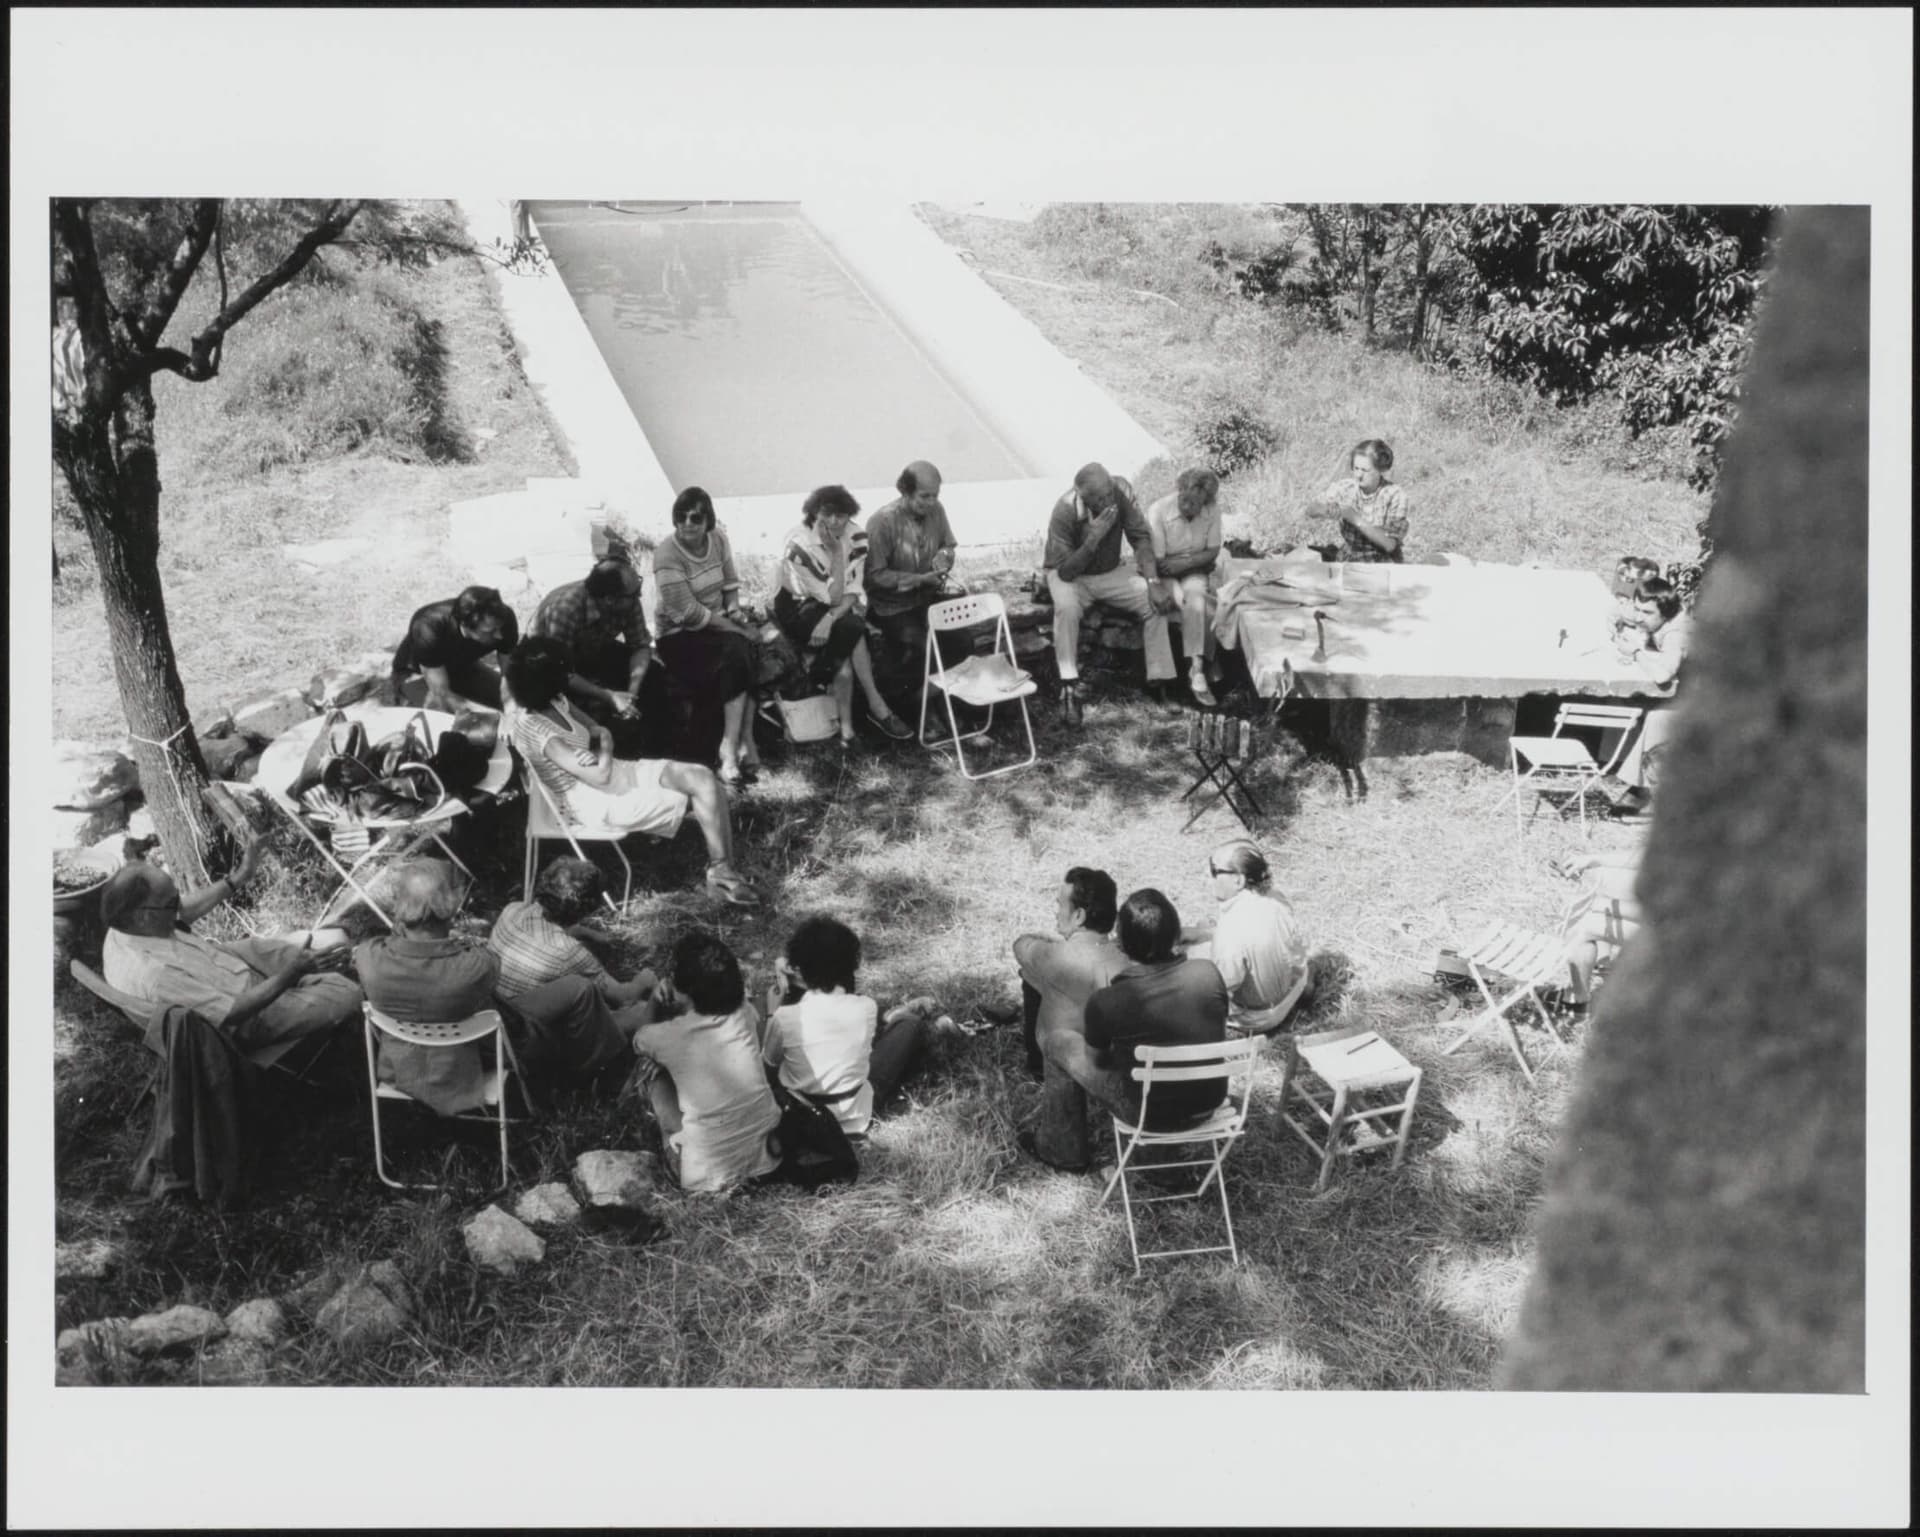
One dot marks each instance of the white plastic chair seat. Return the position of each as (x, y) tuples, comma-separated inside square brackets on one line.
[(1554, 752), (984, 682), (1332, 1075)]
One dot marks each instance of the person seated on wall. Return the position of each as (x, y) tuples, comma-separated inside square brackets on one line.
[(591, 787), (1653, 645), (1372, 510), (823, 1040), (577, 1017), (707, 1088), (1161, 998), (1185, 531), (1254, 942), (610, 653), (705, 641), (1059, 972), (268, 995), (910, 547), (1627, 572), (446, 643), (422, 973), (822, 603), (1083, 568)]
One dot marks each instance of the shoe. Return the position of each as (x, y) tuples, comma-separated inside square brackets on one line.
[(1032, 1150), (1202, 695), (893, 726), (731, 887), (1072, 710)]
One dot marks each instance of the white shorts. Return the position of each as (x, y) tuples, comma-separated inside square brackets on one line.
[(632, 801)]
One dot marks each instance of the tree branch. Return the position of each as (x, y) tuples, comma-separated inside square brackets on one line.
[(203, 364), (149, 323)]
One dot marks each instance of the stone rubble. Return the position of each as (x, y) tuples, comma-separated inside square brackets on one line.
[(548, 1205), (502, 1243)]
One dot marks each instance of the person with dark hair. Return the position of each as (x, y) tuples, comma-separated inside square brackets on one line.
[(704, 638), (610, 652), (422, 973), (1372, 510), (1083, 568), (1059, 972), (1653, 645), (1160, 999), (822, 602), (1255, 942), (1187, 540), (578, 1016), (716, 1111), (1627, 572), (575, 762), (268, 995), (823, 1040), (445, 643), (910, 547)]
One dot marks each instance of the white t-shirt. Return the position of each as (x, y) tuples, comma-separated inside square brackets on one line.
[(821, 1045), (1258, 946)]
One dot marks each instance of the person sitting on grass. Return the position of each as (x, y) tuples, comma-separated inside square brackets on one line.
[(1372, 510), (578, 1016), (1654, 646), (575, 762), (268, 995), (446, 643), (422, 973), (610, 651), (1185, 531), (1160, 999), (704, 641), (823, 1040), (708, 1091), (822, 602), (1255, 941)]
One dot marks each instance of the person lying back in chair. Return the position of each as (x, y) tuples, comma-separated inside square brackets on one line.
[(269, 995)]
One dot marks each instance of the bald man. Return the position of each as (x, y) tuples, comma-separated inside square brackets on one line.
[(910, 549), (269, 995), (1083, 568)]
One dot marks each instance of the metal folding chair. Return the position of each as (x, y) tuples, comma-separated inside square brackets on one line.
[(1230, 1060), (1521, 962), (482, 1026), (1558, 764), (983, 682), (547, 823)]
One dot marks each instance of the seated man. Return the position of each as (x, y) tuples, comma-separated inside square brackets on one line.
[(269, 995), (1654, 645), (422, 974), (1058, 974), (579, 1017), (910, 549), (1160, 999), (1185, 530), (445, 643), (599, 622), (1083, 568)]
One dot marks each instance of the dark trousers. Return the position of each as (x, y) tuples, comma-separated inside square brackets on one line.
[(797, 618), (705, 668), (657, 733), (1030, 1024)]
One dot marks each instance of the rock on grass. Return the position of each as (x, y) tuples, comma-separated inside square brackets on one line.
[(502, 1243), (178, 1328)]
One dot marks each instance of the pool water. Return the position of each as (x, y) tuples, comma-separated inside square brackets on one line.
[(751, 358)]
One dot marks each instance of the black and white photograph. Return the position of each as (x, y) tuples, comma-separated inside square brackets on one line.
[(877, 713)]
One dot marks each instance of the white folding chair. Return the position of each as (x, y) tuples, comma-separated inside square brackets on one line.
[(1230, 1060), (1522, 962), (984, 682), (546, 824), (461, 1032), (1558, 764)]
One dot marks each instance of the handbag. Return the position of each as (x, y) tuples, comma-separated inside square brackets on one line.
[(812, 719), (811, 1144), (389, 781)]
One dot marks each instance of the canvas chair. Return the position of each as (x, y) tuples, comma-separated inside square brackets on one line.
[(546, 823), (1354, 1094), (1232, 1061), (1558, 764), (985, 682), (480, 1027)]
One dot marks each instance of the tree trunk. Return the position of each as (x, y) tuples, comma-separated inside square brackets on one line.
[(114, 476), (1366, 275), (1422, 277)]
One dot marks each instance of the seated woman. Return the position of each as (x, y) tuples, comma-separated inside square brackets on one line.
[(1372, 510), (578, 1017), (823, 1040), (822, 602), (445, 643), (593, 788), (1600, 925), (716, 1112), (422, 973), (704, 641), (1255, 941)]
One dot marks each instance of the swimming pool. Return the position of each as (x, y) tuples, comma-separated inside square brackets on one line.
[(754, 361)]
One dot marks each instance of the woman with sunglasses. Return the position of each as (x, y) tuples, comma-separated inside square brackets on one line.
[(1255, 941), (703, 638)]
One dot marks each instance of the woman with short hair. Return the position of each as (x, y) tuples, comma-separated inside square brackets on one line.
[(1254, 941), (703, 638), (822, 602), (575, 762)]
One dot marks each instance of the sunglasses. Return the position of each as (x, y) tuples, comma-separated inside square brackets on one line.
[(695, 520)]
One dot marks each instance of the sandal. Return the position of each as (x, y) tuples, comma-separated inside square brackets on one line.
[(731, 887)]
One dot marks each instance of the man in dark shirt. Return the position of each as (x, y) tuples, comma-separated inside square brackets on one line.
[(610, 656), (1161, 999), (1083, 568), (445, 642)]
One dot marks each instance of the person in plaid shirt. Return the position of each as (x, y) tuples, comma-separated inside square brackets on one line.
[(610, 656), (1372, 510)]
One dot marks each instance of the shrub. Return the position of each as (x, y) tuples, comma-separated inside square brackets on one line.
[(1230, 438)]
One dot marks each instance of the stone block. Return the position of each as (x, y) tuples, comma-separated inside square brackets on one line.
[(549, 1205), (88, 1260), (234, 1363), (337, 687), (502, 1243), (372, 1308), (84, 775), (178, 1328), (260, 1322), (265, 716), (224, 755), (1364, 729), (100, 1339), (608, 1179), (312, 1294)]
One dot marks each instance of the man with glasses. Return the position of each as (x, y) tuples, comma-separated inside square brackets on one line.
[(1255, 941), (610, 652), (268, 995)]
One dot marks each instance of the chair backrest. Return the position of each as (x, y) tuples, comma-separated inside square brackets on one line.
[(1602, 718), (136, 1011), (1232, 1060), (975, 608), (454, 1032), (538, 770)]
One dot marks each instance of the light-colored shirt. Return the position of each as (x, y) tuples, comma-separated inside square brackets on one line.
[(1663, 650), (900, 545), (691, 589), (726, 1108), (821, 1045), (183, 969), (814, 567), (1259, 949), (1066, 973), (533, 950), (530, 731), (1174, 533)]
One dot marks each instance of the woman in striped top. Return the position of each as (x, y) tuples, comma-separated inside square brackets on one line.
[(702, 636), (592, 788), (822, 603)]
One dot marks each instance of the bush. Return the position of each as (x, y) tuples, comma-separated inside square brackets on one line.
[(1232, 438)]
